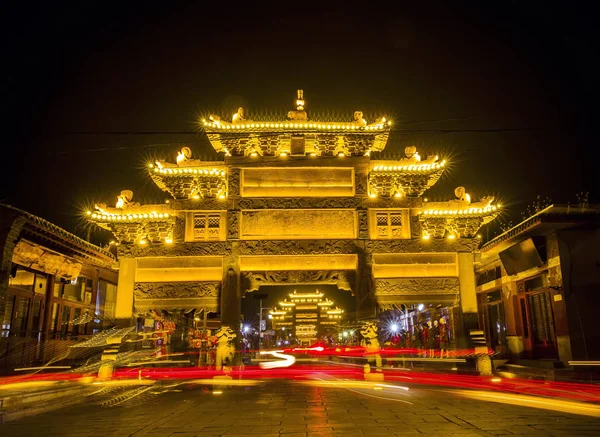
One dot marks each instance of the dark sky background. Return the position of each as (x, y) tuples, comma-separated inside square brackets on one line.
[(506, 91)]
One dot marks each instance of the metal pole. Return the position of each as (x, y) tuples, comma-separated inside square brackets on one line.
[(260, 327), (203, 339)]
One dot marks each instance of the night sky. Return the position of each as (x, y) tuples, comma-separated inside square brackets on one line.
[(507, 93)]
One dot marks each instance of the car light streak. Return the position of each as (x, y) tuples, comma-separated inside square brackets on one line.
[(236, 382), (143, 363), (287, 360), (562, 406), (23, 369), (347, 384)]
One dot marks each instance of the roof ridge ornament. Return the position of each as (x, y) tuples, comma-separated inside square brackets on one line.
[(238, 117), (358, 119), (299, 114), (300, 101)]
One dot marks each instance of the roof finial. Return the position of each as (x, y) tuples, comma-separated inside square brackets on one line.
[(300, 101)]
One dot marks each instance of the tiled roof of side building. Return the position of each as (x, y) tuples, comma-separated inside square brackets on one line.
[(565, 213), (46, 226)]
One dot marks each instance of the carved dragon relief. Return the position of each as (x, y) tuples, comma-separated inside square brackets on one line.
[(363, 225), (222, 248), (361, 183), (415, 226), (172, 290), (399, 246), (296, 247), (333, 202), (234, 182), (401, 286), (255, 279), (233, 225), (297, 203)]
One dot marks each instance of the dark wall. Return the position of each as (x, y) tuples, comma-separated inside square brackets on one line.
[(580, 265)]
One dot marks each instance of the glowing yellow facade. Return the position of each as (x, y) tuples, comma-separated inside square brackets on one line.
[(296, 201)]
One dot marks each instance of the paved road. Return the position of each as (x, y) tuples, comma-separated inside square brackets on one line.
[(294, 409)]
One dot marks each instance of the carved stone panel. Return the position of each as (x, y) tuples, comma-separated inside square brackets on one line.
[(293, 247), (234, 181), (415, 227), (179, 230), (330, 202), (254, 280), (182, 249), (363, 224), (298, 203), (233, 228), (172, 290), (361, 183), (418, 245), (402, 286)]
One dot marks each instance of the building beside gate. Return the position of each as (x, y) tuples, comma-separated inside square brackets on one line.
[(306, 316), (297, 202), (538, 286), (55, 289)]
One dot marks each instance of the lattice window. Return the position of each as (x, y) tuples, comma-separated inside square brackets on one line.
[(206, 226), (199, 221), (389, 224)]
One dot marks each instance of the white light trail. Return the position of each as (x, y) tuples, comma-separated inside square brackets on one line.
[(286, 360)]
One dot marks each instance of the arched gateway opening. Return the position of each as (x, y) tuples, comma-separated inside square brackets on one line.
[(295, 315)]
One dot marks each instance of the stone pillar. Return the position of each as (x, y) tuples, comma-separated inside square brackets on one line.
[(124, 304), (231, 306), (48, 300), (512, 315), (468, 300), (366, 304)]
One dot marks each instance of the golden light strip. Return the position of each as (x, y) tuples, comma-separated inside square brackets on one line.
[(196, 171), (316, 126), (127, 217), (472, 211), (412, 167), (306, 295)]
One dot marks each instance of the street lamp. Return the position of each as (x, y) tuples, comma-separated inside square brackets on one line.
[(394, 327)]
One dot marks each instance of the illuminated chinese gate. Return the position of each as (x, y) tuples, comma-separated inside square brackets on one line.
[(299, 199)]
